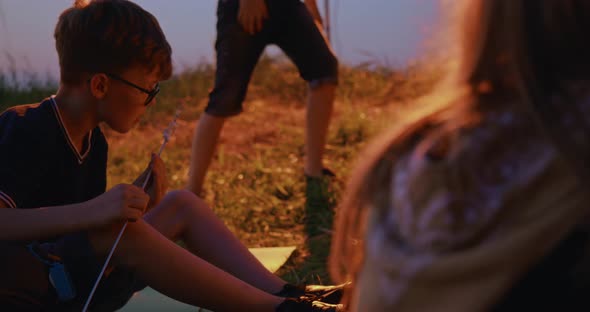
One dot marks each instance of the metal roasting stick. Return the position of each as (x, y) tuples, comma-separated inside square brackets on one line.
[(166, 136)]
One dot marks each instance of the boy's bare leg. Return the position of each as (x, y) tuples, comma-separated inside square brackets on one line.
[(178, 273), (183, 216), (319, 110), (203, 146)]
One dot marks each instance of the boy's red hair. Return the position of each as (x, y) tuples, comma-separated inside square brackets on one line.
[(109, 36)]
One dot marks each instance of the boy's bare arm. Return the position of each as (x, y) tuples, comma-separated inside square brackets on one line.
[(312, 7), (121, 203), (40, 223)]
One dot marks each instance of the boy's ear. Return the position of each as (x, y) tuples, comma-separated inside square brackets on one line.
[(99, 85)]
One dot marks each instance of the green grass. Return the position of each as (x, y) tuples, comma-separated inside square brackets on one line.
[(30, 91), (256, 183)]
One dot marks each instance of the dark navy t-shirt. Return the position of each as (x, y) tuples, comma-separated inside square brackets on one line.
[(39, 165)]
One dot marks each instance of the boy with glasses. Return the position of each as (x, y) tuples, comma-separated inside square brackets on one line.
[(57, 223), (151, 94)]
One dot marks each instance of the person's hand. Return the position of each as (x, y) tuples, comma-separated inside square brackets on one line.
[(252, 14), (124, 202), (157, 184)]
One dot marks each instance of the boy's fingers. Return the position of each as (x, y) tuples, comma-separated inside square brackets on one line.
[(248, 26), (133, 215), (159, 175), (144, 184), (133, 190), (160, 186), (157, 162), (264, 11), (138, 198), (245, 26), (138, 206), (134, 209), (156, 183), (138, 203), (156, 188), (259, 22), (164, 186), (252, 26), (243, 22)]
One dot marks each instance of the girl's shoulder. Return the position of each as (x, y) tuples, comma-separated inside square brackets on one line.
[(456, 179)]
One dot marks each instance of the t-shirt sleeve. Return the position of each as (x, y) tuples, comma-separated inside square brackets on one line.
[(21, 162)]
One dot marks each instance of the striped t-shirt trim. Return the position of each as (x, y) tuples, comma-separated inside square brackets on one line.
[(7, 199), (79, 156)]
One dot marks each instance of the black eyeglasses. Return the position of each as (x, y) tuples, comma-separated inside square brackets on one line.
[(151, 94)]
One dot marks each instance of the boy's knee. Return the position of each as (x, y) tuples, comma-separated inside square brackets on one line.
[(182, 196), (227, 97), (327, 75), (329, 78), (331, 63), (183, 201)]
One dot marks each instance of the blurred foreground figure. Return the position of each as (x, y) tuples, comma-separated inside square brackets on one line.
[(481, 203)]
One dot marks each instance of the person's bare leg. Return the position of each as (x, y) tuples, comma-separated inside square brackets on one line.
[(179, 274), (183, 216), (203, 147), (319, 110)]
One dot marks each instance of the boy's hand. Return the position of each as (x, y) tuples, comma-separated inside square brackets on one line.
[(124, 202), (251, 15), (157, 184)]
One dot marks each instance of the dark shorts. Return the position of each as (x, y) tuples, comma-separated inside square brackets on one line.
[(83, 267), (290, 26)]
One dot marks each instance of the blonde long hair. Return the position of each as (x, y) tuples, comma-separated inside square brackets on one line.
[(527, 51)]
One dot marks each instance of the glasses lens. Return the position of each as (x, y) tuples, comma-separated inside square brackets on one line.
[(152, 95)]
